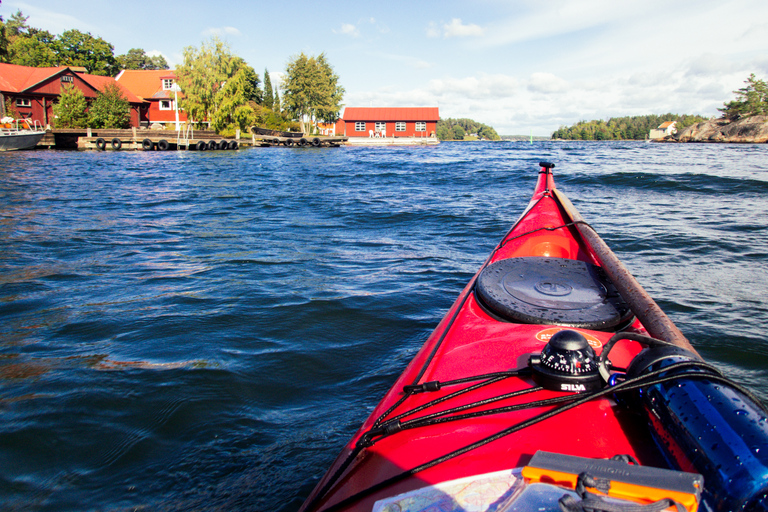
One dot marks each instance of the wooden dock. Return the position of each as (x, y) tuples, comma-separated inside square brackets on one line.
[(266, 138), (140, 140)]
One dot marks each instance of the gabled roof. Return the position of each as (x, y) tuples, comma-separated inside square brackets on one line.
[(146, 83), (391, 114), (15, 78), (19, 79), (666, 124)]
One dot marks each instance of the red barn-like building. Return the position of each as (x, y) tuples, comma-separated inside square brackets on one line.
[(157, 88), (388, 121), (33, 91)]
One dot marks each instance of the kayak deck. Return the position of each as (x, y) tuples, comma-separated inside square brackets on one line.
[(468, 403)]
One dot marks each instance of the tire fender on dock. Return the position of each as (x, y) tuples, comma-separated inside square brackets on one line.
[(163, 145), (211, 145), (316, 142), (147, 145), (232, 144), (222, 145), (201, 146), (117, 143), (101, 144)]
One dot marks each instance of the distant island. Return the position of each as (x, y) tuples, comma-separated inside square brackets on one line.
[(623, 128), (744, 119), (465, 129)]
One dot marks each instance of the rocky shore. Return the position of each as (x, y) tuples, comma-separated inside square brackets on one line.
[(749, 129)]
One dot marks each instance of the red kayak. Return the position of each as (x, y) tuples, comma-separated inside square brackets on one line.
[(554, 381)]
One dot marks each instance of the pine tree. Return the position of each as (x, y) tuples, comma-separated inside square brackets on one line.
[(268, 101)]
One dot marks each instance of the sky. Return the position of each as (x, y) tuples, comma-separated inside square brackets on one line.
[(520, 66)]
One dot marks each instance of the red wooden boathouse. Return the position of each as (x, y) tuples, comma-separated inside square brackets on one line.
[(388, 121), (33, 91), (157, 88)]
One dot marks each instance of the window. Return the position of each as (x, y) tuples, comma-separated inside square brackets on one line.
[(400, 126), (23, 102), (380, 127), (67, 78), (421, 126), (359, 126), (166, 105), (167, 84)]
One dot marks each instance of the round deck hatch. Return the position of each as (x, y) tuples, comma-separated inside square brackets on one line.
[(559, 291)]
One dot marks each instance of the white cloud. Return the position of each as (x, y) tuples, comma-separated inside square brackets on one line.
[(221, 31), (454, 29), (457, 29), (348, 29), (546, 83), (55, 22)]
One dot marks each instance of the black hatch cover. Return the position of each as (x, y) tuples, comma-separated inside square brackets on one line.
[(558, 291)]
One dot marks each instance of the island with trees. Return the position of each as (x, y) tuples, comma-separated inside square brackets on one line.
[(744, 119), (464, 129)]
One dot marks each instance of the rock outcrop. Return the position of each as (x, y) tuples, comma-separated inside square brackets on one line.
[(748, 129)]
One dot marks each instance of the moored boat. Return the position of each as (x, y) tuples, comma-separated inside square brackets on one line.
[(554, 382), (19, 134)]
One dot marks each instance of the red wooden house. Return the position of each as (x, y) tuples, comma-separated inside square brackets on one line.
[(388, 122), (33, 91), (156, 87)]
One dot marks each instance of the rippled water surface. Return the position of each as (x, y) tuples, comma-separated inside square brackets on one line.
[(205, 330)]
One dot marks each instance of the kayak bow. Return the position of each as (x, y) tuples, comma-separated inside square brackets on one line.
[(552, 360)]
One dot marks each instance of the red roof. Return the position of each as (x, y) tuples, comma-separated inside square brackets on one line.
[(391, 114), (18, 79), (146, 83)]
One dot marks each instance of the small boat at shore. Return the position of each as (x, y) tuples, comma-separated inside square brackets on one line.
[(18, 134), (555, 382)]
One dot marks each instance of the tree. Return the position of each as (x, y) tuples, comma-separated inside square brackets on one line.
[(93, 53), (751, 100), (110, 109), (16, 25), (71, 110), (136, 58), (268, 99), (38, 48), (3, 42), (311, 92), (218, 87)]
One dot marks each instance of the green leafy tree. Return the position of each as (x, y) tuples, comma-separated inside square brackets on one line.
[(110, 109), (71, 110), (311, 92), (38, 48), (269, 100), (751, 100), (3, 41), (219, 87), (93, 53), (136, 58)]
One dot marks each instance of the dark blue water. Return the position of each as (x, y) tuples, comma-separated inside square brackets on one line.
[(204, 331)]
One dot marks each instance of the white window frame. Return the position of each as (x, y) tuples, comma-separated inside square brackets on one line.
[(67, 78), (23, 102), (359, 126), (421, 126), (168, 102), (400, 126), (380, 126), (168, 84)]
